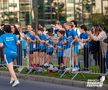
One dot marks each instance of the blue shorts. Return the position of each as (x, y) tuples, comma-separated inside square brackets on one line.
[(10, 57), (50, 53), (36, 50), (75, 49)]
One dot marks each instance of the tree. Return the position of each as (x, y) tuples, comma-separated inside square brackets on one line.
[(60, 11)]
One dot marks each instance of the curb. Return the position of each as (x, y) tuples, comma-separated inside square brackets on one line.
[(53, 80)]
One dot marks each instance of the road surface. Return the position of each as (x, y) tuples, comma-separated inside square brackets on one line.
[(34, 85)]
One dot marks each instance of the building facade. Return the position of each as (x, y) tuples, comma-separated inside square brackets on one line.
[(46, 12)]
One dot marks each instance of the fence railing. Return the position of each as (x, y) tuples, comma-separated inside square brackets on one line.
[(88, 62)]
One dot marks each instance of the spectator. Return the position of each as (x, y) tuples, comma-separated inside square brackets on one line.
[(99, 35), (31, 40), (49, 48), (42, 46), (15, 31), (60, 48), (84, 38)]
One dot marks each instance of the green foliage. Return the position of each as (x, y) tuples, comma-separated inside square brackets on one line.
[(101, 19)]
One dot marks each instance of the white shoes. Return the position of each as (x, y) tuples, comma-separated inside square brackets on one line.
[(15, 83), (102, 79), (67, 69), (75, 69), (46, 64), (11, 81)]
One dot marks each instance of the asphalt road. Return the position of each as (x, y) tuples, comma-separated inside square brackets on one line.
[(33, 85)]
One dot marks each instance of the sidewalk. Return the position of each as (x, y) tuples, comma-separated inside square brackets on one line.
[(53, 80)]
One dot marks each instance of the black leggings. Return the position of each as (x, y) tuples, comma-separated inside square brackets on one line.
[(101, 61), (86, 58), (60, 60)]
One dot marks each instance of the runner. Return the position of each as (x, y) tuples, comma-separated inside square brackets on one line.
[(9, 42)]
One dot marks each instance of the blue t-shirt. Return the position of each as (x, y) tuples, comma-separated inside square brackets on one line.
[(71, 34), (42, 45), (24, 44), (61, 48), (49, 47), (85, 36), (32, 37), (37, 44), (9, 41)]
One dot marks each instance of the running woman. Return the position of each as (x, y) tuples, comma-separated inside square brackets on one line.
[(9, 42)]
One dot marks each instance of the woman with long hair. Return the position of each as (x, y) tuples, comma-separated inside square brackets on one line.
[(99, 35)]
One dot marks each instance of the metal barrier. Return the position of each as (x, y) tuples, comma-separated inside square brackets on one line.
[(91, 63)]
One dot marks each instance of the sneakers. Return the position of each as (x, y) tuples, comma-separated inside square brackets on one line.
[(67, 69), (50, 67), (102, 79), (75, 69), (11, 81), (46, 65), (15, 83)]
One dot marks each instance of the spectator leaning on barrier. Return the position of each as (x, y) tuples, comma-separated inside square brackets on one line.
[(84, 42), (31, 40), (42, 46), (100, 35), (60, 48), (49, 48), (9, 42)]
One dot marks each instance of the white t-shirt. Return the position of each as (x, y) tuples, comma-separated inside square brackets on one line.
[(77, 31)]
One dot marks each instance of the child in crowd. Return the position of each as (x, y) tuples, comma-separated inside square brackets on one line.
[(37, 50), (49, 48), (73, 47), (31, 40), (84, 38), (24, 46), (60, 48), (42, 46)]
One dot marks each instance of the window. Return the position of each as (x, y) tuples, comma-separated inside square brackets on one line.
[(69, 9), (70, 1)]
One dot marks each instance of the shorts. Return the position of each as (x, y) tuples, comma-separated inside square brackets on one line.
[(75, 49), (43, 50), (10, 57), (50, 53), (31, 52), (36, 50), (67, 52)]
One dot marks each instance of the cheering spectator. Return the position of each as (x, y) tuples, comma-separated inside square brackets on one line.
[(99, 35)]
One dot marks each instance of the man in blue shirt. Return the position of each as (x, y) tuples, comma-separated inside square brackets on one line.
[(10, 42)]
